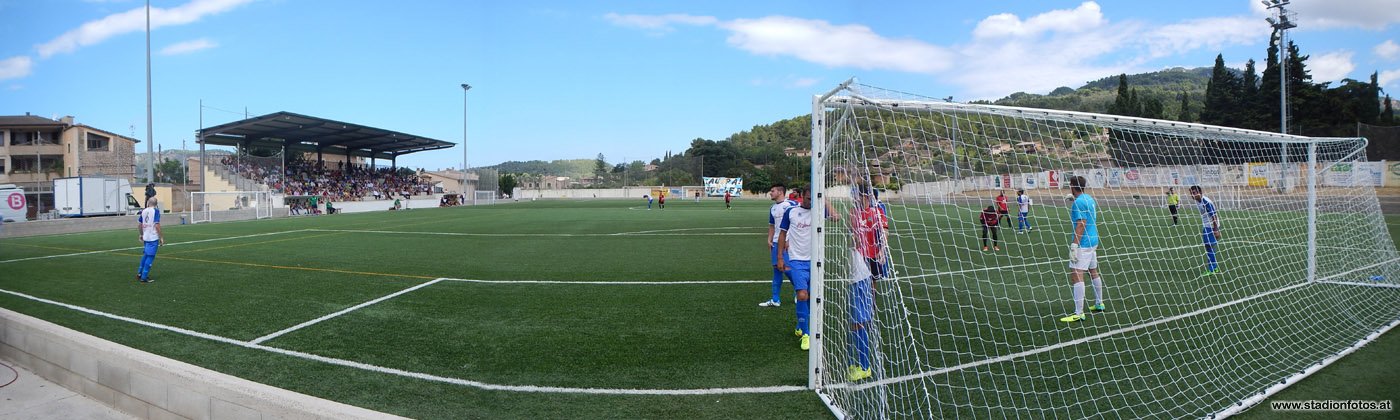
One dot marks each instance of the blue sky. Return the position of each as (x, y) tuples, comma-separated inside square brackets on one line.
[(629, 79)]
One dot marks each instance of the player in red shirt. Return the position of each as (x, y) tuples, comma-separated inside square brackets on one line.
[(727, 197), (661, 201), (868, 224), (1001, 209), (990, 223)]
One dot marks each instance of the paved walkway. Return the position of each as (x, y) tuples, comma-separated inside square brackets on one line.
[(30, 397)]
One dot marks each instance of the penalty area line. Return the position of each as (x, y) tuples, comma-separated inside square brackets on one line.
[(1075, 342), (609, 283), (137, 247), (342, 312), (420, 375)]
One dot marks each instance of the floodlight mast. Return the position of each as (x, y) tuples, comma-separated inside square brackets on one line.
[(465, 88), (1281, 23)]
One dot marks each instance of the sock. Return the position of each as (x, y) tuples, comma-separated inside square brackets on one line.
[(777, 283), (1078, 289), (1210, 255), (146, 261), (862, 339), (804, 308), (1098, 291)]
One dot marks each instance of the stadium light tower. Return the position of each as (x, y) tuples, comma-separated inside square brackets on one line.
[(465, 88), (1281, 21), (150, 136)]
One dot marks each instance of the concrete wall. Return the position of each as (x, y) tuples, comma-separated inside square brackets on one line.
[(149, 386), (629, 192), (383, 205)]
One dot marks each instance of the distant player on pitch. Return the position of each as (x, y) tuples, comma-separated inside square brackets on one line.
[(727, 198), (1023, 222), (778, 193), (1002, 211), (1083, 216), (1172, 201), (1210, 228), (990, 222), (148, 224)]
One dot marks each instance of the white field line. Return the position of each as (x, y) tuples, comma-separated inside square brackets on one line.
[(342, 312), (545, 235), (1003, 267), (137, 247), (1357, 283), (641, 232), (1358, 269), (418, 375), (609, 283), (1064, 261), (1009, 357), (1111, 333)]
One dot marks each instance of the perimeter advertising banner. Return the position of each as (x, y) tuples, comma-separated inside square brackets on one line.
[(717, 186), (1259, 174)]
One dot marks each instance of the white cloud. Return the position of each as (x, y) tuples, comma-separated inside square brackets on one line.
[(1388, 50), (658, 23), (15, 67), (1324, 14), (1005, 53), (1086, 16), (834, 45), (1210, 33), (803, 82), (134, 20), (188, 47), (1331, 67), (1389, 78)]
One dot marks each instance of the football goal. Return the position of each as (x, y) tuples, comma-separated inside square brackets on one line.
[(229, 205), (1303, 270)]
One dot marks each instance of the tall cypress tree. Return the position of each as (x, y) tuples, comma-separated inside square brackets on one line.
[(1249, 99), (1222, 94), (1184, 115), (1268, 88), (1120, 103), (1388, 116)]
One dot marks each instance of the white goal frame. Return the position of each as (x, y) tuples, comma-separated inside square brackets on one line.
[(211, 206), (849, 95), (483, 197)]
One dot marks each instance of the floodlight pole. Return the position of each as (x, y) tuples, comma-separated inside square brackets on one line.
[(150, 157), (465, 88), (1282, 21)]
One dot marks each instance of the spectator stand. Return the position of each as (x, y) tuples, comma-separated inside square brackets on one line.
[(286, 153)]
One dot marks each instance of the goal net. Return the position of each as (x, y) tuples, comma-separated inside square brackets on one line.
[(1306, 270), (231, 205)]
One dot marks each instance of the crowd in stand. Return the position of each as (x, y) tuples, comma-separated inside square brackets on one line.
[(350, 182)]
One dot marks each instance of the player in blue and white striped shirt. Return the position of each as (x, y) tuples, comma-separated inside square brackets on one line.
[(1210, 228), (778, 193)]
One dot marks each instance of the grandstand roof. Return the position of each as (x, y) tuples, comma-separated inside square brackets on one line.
[(303, 133)]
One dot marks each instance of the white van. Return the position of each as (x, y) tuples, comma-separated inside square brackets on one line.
[(13, 206), (93, 196)]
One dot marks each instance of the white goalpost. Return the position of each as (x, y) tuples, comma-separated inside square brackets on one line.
[(484, 198), (224, 206), (1304, 272)]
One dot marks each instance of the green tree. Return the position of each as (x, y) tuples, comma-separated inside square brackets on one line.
[(508, 183), (1184, 114), (1222, 93), (600, 166), (170, 170), (1250, 99), (1388, 116), (1121, 104)]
